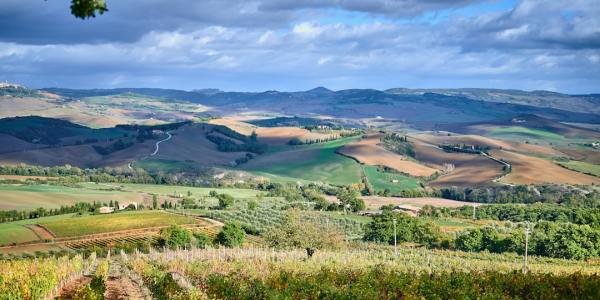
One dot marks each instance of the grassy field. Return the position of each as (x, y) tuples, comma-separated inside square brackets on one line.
[(174, 190), (381, 181), (15, 232), (167, 166), (582, 167), (76, 226), (29, 197), (316, 162), (520, 133)]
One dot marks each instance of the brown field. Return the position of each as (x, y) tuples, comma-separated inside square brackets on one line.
[(375, 202), (271, 135), (489, 142), (190, 143), (368, 151), (41, 232), (533, 170), (469, 169), (78, 155), (589, 156)]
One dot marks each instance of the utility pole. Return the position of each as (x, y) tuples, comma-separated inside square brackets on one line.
[(395, 240)]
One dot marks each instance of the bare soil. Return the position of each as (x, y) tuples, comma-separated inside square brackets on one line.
[(369, 151), (533, 170)]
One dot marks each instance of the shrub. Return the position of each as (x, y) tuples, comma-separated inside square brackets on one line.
[(201, 240), (225, 200), (174, 236), (232, 235)]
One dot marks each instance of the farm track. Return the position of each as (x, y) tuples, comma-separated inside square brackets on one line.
[(120, 286), (130, 165), (68, 290)]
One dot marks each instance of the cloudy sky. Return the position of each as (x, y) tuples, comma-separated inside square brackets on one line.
[(291, 45)]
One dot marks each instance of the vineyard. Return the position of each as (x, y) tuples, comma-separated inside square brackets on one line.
[(266, 218), (361, 272)]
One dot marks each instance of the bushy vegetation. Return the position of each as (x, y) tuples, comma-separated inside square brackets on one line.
[(297, 232), (398, 144), (227, 144), (560, 240), (560, 194), (120, 144), (374, 274), (35, 279), (520, 213), (231, 235), (408, 229), (374, 283)]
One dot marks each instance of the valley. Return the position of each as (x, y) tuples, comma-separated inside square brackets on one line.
[(146, 173)]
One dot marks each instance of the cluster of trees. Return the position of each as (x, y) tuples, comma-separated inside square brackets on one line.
[(297, 141), (560, 194), (408, 229), (226, 144), (120, 144), (296, 232), (14, 215), (173, 237), (520, 213), (399, 144), (464, 148), (552, 239)]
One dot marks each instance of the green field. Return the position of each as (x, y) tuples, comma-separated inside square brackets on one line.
[(29, 197), (75, 226), (381, 181), (520, 133), (167, 166), (582, 167), (324, 165), (171, 190), (15, 232)]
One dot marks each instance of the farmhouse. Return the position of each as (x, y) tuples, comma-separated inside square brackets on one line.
[(124, 205), (106, 210)]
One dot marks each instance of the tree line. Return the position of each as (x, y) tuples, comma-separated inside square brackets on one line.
[(519, 213)]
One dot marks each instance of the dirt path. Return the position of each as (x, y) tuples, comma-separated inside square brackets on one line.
[(41, 232), (69, 290), (119, 286), (130, 165), (158, 143)]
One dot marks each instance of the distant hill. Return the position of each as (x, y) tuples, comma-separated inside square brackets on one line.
[(16, 90), (576, 103), (423, 108)]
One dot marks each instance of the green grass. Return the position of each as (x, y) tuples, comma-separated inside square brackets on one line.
[(519, 132), (30, 197), (381, 181), (174, 190), (15, 232), (324, 165), (76, 226), (167, 166), (582, 167)]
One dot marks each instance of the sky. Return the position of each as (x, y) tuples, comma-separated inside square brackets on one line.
[(293, 45)]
